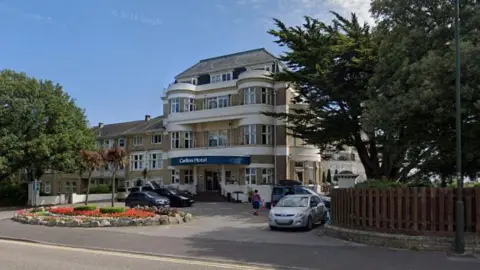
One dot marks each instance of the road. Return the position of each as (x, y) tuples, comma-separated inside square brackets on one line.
[(22, 256), (229, 232)]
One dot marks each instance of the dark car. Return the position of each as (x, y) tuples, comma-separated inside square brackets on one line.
[(146, 198), (177, 198), (286, 187)]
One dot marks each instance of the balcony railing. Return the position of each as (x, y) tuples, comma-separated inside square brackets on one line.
[(216, 139), (339, 157)]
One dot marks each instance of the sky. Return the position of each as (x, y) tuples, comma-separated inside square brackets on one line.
[(115, 57)]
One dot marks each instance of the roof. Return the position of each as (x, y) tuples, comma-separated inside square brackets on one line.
[(229, 61), (129, 128)]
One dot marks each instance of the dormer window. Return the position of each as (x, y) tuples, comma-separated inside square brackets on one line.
[(221, 77)]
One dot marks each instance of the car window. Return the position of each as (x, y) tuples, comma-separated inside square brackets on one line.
[(293, 201), (277, 191), (147, 189), (150, 194), (301, 190), (133, 195), (289, 191)]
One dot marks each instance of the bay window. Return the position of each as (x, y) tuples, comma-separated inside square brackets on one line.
[(189, 105), (188, 142), (175, 140), (267, 96), (174, 105), (267, 137), (137, 162), (175, 178), (267, 176), (155, 161), (249, 96), (217, 138), (249, 134), (188, 177), (250, 176)]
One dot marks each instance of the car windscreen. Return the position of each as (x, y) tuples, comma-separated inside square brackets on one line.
[(293, 201), (155, 185), (151, 194), (173, 191), (277, 191)]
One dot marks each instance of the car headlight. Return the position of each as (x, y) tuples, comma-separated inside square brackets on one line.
[(270, 214), (301, 214)]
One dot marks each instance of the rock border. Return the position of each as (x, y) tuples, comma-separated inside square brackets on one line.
[(401, 241), (26, 217)]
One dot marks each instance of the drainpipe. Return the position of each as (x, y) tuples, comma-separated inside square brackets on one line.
[(275, 136)]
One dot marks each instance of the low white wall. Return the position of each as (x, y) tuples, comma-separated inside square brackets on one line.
[(79, 198), (76, 198), (264, 191), (49, 200)]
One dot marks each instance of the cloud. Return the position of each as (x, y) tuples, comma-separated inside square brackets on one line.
[(292, 12), (6, 9), (135, 17)]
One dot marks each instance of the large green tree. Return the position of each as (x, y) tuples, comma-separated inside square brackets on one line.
[(414, 82), (40, 127), (330, 66)]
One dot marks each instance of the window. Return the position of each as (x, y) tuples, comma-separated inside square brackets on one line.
[(156, 139), (155, 161), (230, 178), (47, 188), (136, 162), (189, 143), (175, 177), (217, 138), (217, 102), (188, 177), (249, 96), (249, 134), (174, 105), (226, 77), (223, 101), (216, 78), (175, 141), (74, 187), (220, 77), (211, 103), (267, 96), (137, 140), (121, 142), (59, 188), (189, 105), (267, 176), (250, 177), (267, 134), (106, 143)]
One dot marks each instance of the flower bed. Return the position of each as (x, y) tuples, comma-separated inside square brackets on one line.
[(101, 217)]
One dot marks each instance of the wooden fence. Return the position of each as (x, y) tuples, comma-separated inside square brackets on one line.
[(410, 211)]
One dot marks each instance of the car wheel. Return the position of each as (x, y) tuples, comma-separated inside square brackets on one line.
[(273, 228), (309, 225)]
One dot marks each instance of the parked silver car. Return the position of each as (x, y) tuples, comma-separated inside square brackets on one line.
[(297, 211)]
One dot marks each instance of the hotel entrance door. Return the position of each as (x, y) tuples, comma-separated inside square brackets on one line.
[(212, 181)]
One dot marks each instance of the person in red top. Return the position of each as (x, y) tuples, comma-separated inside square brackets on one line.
[(256, 201)]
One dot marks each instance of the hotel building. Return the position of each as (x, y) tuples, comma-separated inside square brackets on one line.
[(213, 137), (218, 134)]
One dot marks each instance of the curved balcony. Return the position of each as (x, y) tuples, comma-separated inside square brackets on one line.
[(181, 86), (255, 74)]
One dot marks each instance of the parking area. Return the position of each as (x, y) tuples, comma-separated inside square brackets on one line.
[(232, 222)]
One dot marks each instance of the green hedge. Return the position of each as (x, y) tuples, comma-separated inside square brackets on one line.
[(111, 210), (13, 193), (100, 189), (89, 207)]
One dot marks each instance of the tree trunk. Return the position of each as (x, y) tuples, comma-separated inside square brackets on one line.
[(113, 188), (88, 186)]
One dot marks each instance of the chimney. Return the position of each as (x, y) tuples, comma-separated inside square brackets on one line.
[(147, 117), (100, 125)]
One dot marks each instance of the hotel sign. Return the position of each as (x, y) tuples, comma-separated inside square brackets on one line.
[(211, 160)]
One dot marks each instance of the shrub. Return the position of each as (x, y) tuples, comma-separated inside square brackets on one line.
[(89, 207), (111, 210), (100, 189), (374, 183), (13, 193)]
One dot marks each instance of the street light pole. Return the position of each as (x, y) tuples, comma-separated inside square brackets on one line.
[(459, 207)]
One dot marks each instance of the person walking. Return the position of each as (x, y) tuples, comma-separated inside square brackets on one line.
[(256, 201)]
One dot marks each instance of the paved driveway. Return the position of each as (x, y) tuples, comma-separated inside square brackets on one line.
[(231, 222)]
